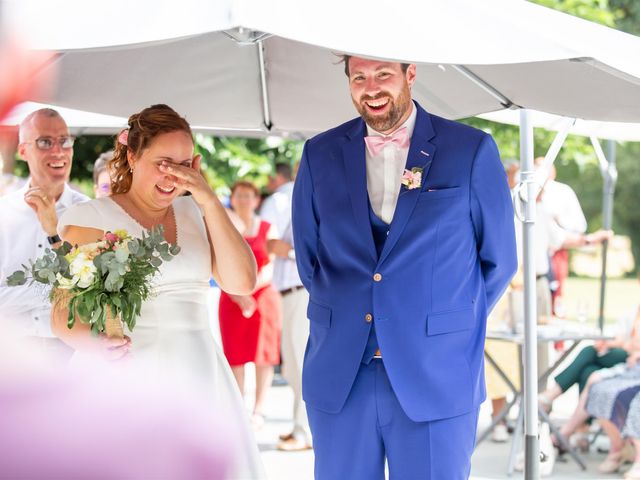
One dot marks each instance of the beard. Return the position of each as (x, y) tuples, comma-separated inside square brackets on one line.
[(397, 108)]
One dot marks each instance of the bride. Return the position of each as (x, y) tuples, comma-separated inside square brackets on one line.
[(153, 167)]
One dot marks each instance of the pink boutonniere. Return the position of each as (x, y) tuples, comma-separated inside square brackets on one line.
[(412, 178)]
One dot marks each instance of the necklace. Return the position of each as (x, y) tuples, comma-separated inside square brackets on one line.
[(143, 221)]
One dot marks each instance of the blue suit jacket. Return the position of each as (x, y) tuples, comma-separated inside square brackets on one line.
[(449, 255)]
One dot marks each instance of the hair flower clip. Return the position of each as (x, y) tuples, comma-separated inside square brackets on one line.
[(123, 138)]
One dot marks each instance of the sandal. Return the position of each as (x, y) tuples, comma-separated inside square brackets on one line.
[(628, 453), (612, 463), (558, 446)]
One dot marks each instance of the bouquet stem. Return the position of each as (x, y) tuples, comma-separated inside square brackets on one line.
[(113, 325)]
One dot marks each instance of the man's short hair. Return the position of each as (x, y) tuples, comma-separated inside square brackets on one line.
[(45, 112), (510, 162), (284, 170), (345, 58)]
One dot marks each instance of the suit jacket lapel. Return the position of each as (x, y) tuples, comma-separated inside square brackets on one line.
[(421, 153), (353, 156)]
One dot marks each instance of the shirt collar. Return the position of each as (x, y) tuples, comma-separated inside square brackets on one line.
[(410, 123), (65, 200), (284, 187)]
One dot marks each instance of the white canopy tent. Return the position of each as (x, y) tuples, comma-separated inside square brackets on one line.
[(212, 62), (260, 65)]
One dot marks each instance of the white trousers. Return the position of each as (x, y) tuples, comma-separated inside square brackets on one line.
[(295, 332)]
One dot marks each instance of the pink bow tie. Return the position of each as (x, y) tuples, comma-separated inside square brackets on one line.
[(399, 138)]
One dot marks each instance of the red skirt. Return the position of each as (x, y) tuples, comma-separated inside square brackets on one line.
[(254, 339)]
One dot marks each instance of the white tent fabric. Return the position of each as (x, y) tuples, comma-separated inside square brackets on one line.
[(620, 131), (79, 122), (148, 52), (88, 123)]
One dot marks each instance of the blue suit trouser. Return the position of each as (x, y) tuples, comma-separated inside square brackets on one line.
[(372, 426)]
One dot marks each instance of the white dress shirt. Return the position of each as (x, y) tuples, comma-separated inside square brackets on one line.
[(276, 210), (22, 238), (563, 205), (384, 172)]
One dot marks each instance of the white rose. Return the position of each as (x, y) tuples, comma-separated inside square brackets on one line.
[(83, 268)]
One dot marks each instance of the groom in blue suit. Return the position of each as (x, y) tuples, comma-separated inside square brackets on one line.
[(404, 238)]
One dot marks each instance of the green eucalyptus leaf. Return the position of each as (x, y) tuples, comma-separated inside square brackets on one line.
[(133, 247), (17, 278), (121, 255)]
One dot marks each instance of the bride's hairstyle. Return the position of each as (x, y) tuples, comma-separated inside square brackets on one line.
[(143, 128)]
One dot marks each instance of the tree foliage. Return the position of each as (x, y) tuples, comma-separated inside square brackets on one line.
[(599, 11), (627, 197)]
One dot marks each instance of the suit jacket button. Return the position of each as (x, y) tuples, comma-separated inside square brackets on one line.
[(368, 318), (377, 277)]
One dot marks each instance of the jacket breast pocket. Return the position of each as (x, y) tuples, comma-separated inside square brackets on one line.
[(437, 193), (319, 314), (450, 321)]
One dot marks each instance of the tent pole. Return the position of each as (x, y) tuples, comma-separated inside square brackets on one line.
[(532, 456), (266, 108), (495, 93), (542, 174), (556, 145), (610, 176)]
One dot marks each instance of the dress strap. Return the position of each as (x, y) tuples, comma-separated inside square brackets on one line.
[(263, 230)]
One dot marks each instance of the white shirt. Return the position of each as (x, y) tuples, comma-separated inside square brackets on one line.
[(384, 172), (562, 204), (276, 210), (547, 237), (22, 239)]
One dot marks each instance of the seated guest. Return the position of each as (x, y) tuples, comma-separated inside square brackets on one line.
[(594, 363), (611, 401)]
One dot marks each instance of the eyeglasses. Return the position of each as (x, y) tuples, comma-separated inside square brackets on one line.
[(104, 187), (47, 143)]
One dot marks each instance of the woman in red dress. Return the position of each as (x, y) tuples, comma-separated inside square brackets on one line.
[(250, 325)]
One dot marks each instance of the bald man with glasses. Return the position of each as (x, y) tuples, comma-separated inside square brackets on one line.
[(28, 222)]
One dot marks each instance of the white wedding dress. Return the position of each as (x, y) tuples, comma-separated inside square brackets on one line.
[(172, 339)]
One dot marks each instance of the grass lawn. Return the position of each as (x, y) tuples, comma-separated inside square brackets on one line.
[(621, 295)]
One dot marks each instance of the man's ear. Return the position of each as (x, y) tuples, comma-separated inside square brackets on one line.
[(410, 75), (21, 152)]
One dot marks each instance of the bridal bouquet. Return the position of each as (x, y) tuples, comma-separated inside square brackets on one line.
[(102, 283)]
